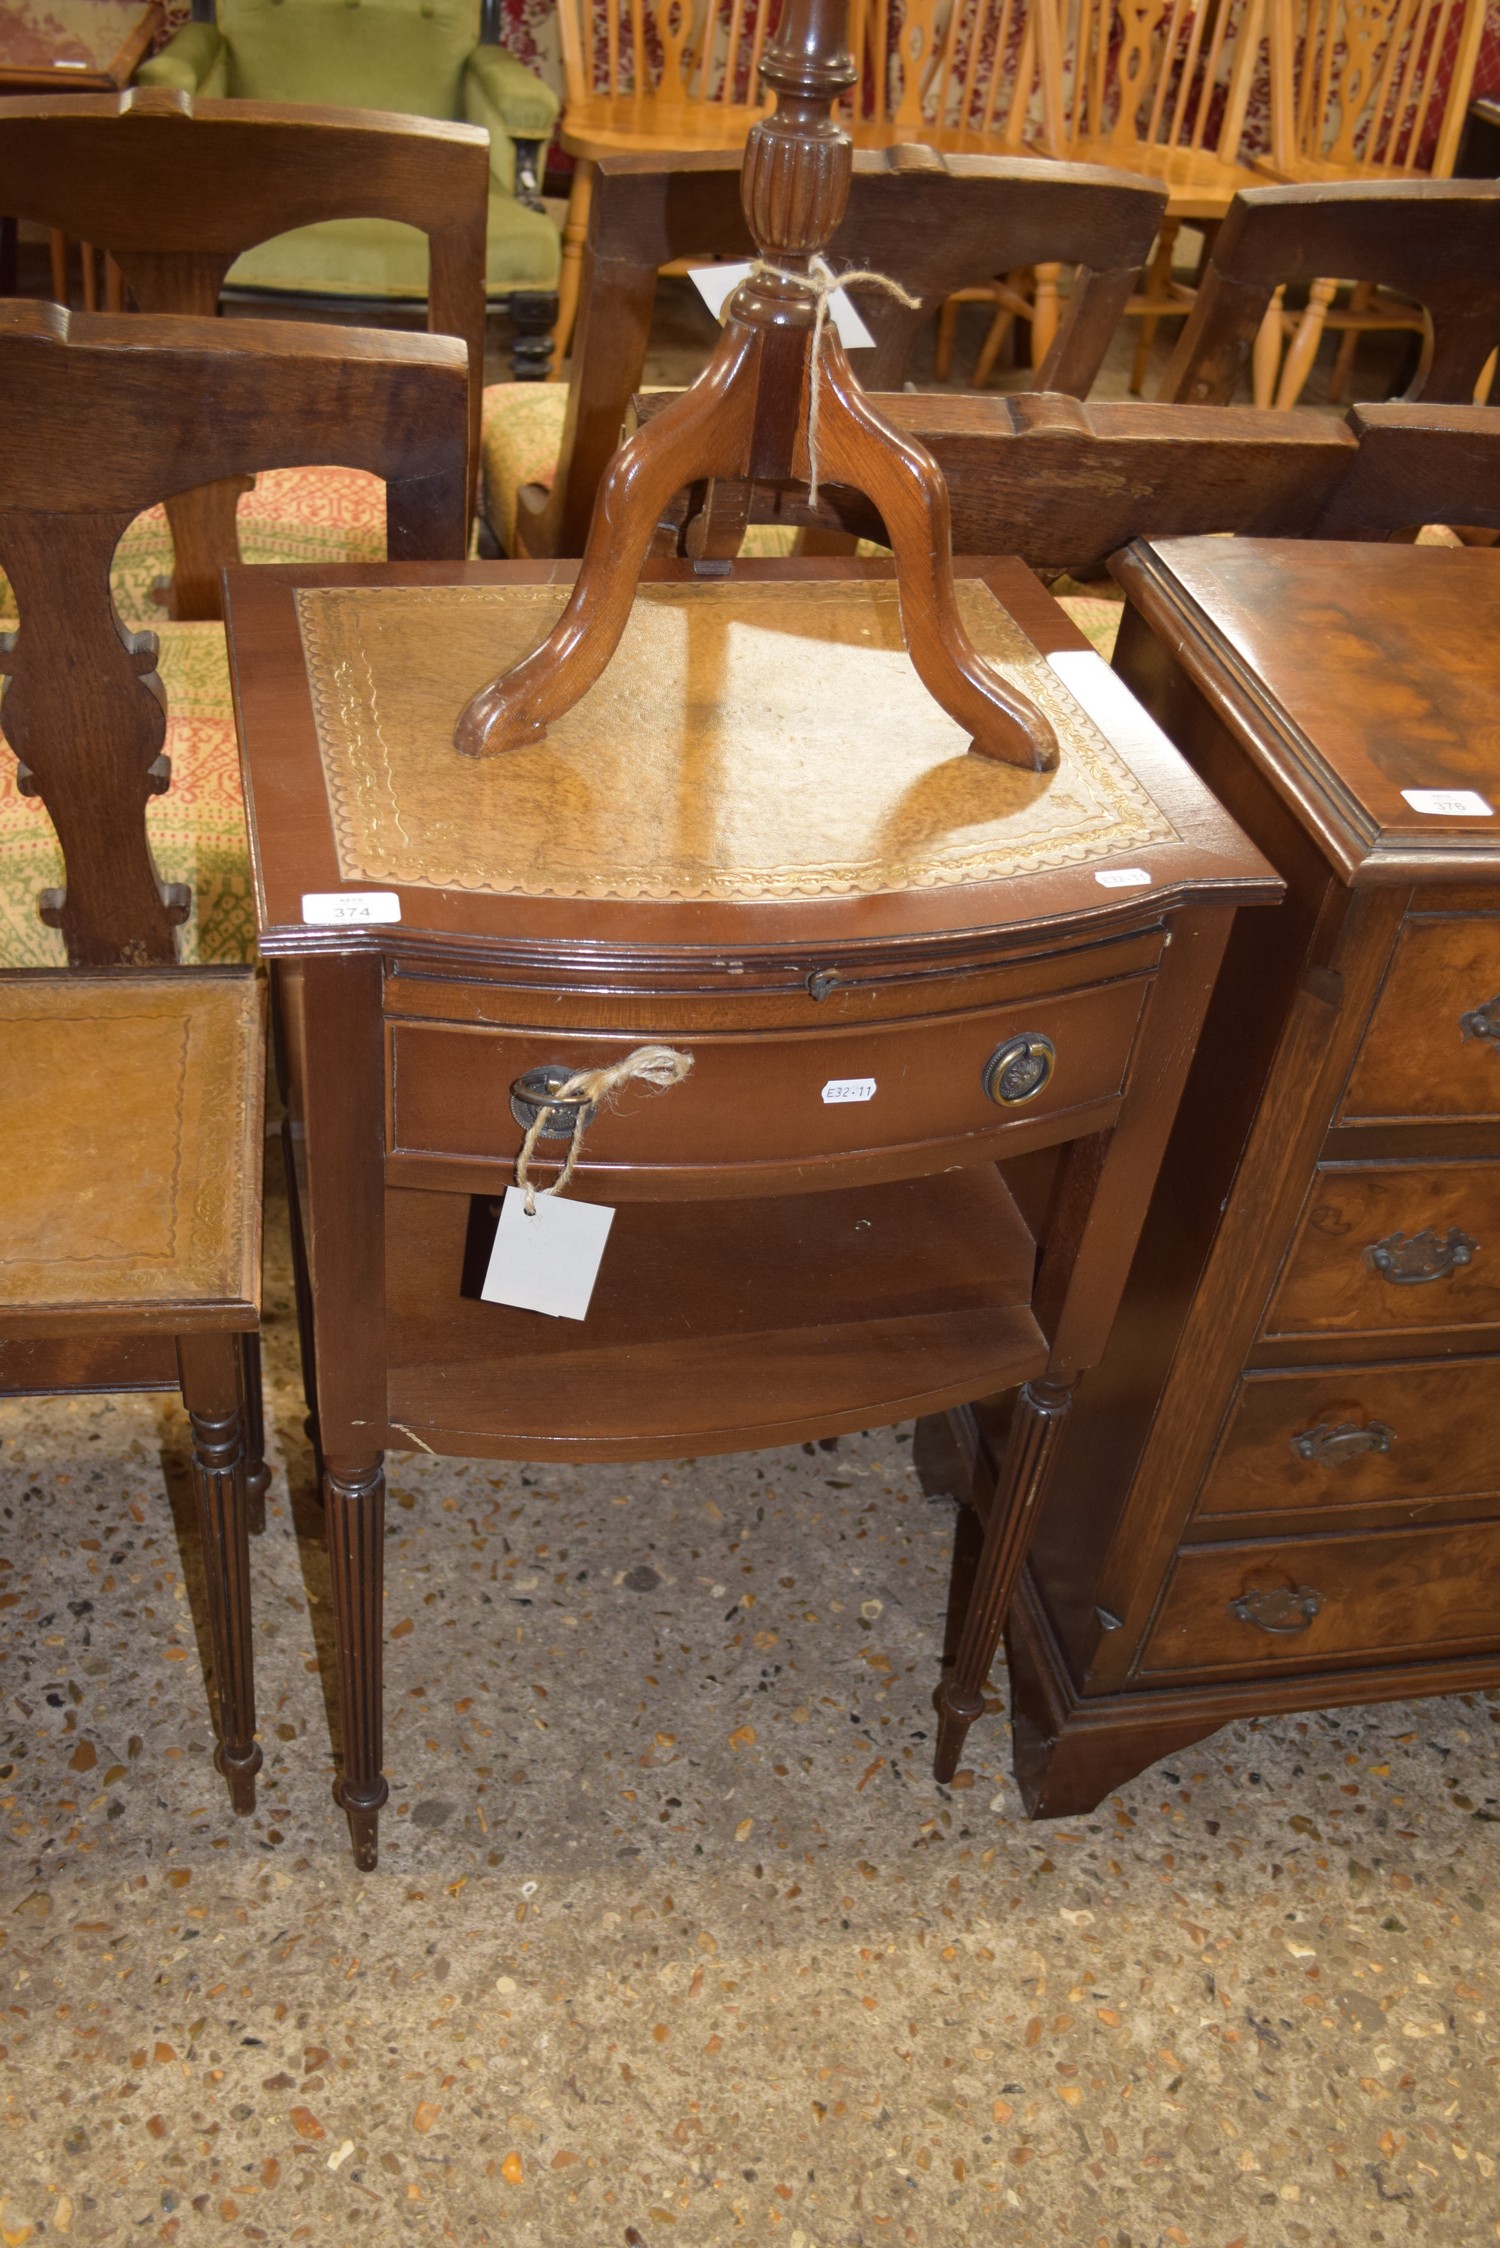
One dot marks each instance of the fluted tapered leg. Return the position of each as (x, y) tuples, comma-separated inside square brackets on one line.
[(355, 1500), (1040, 1411), (211, 1372), (257, 1474)]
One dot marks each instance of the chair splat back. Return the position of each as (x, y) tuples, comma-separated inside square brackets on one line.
[(175, 189), (1437, 241), (1371, 85), (1160, 74), (673, 52), (107, 414)]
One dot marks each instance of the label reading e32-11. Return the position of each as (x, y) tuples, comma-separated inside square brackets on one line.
[(849, 1089)]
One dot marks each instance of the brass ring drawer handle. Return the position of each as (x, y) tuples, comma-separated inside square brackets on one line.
[(1482, 1022), (1334, 1443), (1280, 1609), (1018, 1070), (528, 1096), (1410, 1262)]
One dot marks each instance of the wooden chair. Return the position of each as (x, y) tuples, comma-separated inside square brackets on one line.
[(1435, 241), (648, 75), (931, 222), (1360, 90), (176, 189), (1161, 87), (394, 406)]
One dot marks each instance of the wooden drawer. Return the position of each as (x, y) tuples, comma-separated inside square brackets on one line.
[(1319, 1600), (1357, 1436), (1431, 1048), (1360, 1215), (755, 1106)]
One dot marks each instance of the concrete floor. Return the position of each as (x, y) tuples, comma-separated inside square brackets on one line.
[(673, 1935)]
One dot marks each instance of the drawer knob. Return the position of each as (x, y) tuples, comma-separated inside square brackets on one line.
[(528, 1096), (1018, 1070), (1482, 1022), (1411, 1261), (1280, 1609), (1332, 1443)]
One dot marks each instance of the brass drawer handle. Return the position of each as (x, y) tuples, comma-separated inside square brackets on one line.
[(529, 1093), (1412, 1262), (1334, 1443), (1018, 1070), (1482, 1022), (1280, 1610)]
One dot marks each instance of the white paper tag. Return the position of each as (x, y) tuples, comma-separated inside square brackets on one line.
[(349, 909), (550, 1261), (849, 1089), (1122, 877), (715, 284), (1449, 803)]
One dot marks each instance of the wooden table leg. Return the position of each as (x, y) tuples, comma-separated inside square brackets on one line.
[(355, 1500), (1038, 1417), (257, 1474), (210, 1367)]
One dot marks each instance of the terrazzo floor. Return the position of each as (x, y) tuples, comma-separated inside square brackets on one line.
[(674, 1937)]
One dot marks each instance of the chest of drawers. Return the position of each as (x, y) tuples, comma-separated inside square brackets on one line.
[(1281, 1488)]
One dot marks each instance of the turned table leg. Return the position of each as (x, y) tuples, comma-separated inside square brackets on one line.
[(355, 1498), (1040, 1410), (210, 1367)]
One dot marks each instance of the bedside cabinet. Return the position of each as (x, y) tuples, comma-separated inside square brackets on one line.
[(1281, 1488)]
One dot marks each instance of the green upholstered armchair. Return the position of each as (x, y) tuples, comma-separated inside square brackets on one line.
[(420, 58)]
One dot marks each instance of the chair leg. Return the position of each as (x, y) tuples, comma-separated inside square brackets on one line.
[(1040, 1411), (993, 345), (257, 1474), (1303, 350), (355, 1503), (114, 285), (90, 282), (1486, 380), (1343, 365), (57, 245), (533, 317), (574, 234), (1266, 358), (1046, 312), (211, 1370)]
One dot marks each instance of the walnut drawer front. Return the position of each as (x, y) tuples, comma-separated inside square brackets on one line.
[(763, 1100), (1388, 1248), (1300, 1602), (1357, 1436), (1432, 1045)]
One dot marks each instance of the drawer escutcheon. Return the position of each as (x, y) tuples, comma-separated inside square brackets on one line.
[(1410, 1261)]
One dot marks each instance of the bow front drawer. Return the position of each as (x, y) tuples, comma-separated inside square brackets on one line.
[(757, 1112), (1432, 1046), (1388, 1248)]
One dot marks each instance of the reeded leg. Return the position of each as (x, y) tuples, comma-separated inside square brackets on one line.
[(1040, 1411), (210, 1369), (257, 1474), (355, 1501)]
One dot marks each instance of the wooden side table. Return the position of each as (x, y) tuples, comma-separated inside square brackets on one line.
[(939, 1010), (1281, 1488)]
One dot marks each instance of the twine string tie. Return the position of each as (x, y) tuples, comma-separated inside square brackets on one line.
[(819, 282), (660, 1066)]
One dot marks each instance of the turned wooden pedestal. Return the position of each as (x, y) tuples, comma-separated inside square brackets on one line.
[(1281, 1487), (785, 1262)]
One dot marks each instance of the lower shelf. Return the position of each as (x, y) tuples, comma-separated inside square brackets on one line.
[(715, 1326)]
